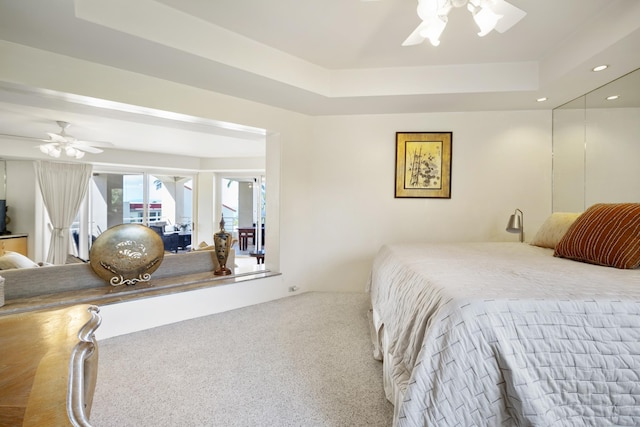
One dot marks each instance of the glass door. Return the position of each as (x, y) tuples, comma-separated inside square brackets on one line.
[(243, 210)]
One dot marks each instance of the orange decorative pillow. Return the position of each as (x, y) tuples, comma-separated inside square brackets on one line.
[(605, 234)]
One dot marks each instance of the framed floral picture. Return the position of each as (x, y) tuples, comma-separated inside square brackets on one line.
[(423, 164)]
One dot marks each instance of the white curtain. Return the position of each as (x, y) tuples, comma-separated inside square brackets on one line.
[(63, 186)]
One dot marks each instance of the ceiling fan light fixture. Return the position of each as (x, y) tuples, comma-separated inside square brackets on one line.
[(73, 152), (70, 151), (486, 19), (433, 30), (473, 6), (51, 149), (487, 14), (54, 152), (428, 9)]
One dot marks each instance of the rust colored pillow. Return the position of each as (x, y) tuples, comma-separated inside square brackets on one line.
[(605, 234)]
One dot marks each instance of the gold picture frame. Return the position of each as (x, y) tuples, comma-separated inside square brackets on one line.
[(423, 164)]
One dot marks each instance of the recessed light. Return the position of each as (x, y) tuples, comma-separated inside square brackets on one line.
[(544, 98), (612, 97), (600, 68)]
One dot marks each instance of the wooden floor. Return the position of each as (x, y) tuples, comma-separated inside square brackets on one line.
[(35, 349)]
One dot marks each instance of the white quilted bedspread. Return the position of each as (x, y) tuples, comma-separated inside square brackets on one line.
[(502, 334)]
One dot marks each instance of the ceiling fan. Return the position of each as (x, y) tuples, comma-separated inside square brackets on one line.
[(62, 142), (488, 14)]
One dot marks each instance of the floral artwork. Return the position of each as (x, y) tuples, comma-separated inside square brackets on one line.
[(423, 164)]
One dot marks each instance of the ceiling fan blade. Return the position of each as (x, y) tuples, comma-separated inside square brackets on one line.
[(511, 15), (415, 37), (87, 148), (94, 143)]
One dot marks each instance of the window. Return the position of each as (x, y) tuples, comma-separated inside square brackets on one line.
[(142, 198)]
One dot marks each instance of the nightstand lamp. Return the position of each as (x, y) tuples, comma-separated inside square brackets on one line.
[(516, 224)]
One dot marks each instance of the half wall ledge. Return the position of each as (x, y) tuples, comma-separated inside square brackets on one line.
[(54, 287)]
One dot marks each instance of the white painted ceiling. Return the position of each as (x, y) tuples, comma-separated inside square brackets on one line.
[(316, 57)]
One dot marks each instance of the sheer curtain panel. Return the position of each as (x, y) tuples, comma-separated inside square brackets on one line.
[(63, 186)]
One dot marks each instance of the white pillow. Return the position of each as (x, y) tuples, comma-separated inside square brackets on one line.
[(553, 229), (15, 260)]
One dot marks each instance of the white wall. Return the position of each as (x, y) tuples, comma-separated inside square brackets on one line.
[(500, 161), (333, 177), (152, 312)]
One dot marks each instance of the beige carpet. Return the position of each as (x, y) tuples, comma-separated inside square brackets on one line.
[(305, 360)]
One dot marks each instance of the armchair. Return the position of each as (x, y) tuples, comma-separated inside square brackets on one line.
[(170, 240)]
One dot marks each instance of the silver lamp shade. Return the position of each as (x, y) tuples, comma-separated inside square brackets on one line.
[(516, 224)]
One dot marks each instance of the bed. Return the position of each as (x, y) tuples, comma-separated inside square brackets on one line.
[(507, 334)]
